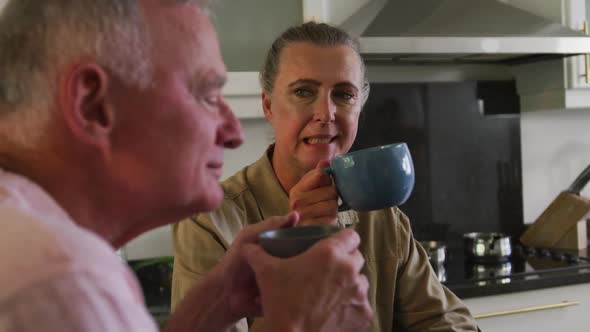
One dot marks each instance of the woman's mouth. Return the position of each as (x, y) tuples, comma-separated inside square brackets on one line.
[(319, 140)]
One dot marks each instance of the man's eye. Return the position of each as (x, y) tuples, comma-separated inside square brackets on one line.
[(301, 92), (211, 102)]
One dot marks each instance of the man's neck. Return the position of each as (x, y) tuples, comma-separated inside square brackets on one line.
[(75, 193), (85, 206)]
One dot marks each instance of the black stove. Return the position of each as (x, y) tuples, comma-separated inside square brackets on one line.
[(526, 269)]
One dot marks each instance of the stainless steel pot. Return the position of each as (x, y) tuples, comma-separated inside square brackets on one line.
[(440, 271), (491, 271), (436, 251), (487, 247), (484, 274)]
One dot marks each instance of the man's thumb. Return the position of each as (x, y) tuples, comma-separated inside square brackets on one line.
[(256, 257)]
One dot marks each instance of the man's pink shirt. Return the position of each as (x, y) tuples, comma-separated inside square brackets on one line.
[(57, 276)]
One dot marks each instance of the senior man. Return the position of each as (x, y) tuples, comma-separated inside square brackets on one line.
[(112, 123)]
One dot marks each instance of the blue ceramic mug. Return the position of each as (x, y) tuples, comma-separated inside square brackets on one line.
[(373, 178)]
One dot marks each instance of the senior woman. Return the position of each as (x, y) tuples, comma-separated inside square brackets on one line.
[(314, 86)]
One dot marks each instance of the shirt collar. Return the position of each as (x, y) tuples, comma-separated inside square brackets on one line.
[(265, 186), (17, 190)]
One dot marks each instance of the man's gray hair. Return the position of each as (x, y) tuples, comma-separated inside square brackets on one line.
[(38, 37), (316, 33)]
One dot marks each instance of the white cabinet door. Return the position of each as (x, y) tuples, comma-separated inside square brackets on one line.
[(243, 94), (551, 9), (246, 29), (578, 75), (570, 13), (570, 318), (330, 11), (559, 84)]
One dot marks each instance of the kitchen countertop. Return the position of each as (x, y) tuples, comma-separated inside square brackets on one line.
[(520, 282), (529, 272), (524, 276)]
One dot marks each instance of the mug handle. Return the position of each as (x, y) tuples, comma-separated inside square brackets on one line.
[(344, 206)]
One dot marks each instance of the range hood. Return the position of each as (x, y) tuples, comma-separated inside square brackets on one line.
[(459, 32)]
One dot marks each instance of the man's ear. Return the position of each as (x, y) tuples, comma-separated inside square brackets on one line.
[(83, 103), (266, 105)]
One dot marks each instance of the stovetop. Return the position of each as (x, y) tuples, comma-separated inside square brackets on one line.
[(527, 268)]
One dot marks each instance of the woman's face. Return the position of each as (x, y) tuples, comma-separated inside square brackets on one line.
[(315, 105)]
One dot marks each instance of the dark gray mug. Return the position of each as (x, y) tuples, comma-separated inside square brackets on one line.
[(373, 178), (288, 242)]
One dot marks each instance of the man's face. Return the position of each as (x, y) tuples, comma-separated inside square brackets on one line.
[(315, 105), (172, 135)]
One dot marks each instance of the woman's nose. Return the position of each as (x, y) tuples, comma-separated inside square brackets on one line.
[(325, 110)]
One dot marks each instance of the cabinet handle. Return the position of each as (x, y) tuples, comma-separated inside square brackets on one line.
[(586, 67), (586, 60), (527, 309)]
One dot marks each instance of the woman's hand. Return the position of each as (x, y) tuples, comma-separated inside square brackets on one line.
[(315, 198)]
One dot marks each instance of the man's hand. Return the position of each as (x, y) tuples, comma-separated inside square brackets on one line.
[(353, 316), (240, 285), (315, 198), (230, 291), (319, 290)]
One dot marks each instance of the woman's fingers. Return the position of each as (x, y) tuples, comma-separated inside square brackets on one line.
[(298, 200)]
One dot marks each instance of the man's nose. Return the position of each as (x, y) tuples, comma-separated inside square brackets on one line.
[(325, 110), (230, 133)]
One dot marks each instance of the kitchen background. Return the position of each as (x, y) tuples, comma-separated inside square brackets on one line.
[(493, 145), (552, 142), (555, 147)]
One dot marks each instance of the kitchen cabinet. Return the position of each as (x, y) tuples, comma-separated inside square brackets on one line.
[(246, 29), (546, 85), (557, 84), (570, 318), (330, 11), (335, 12), (245, 41), (243, 94)]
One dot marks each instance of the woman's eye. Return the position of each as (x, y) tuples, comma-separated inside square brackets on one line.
[(301, 92), (344, 95)]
